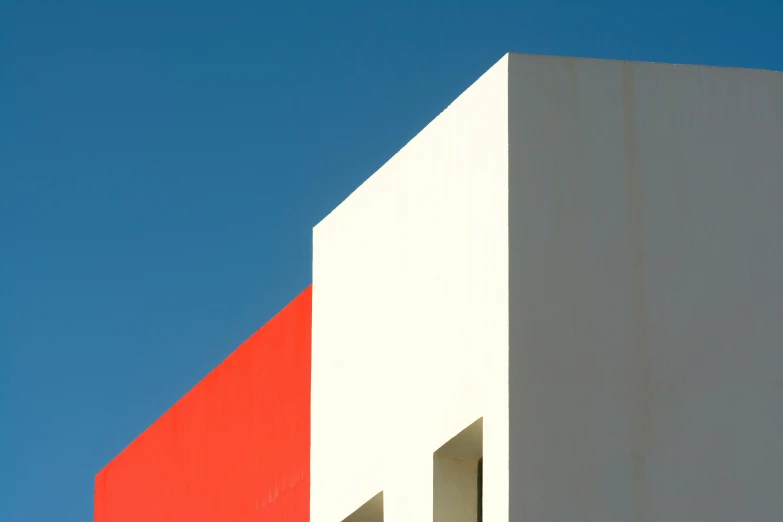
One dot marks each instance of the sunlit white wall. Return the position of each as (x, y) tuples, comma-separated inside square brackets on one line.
[(410, 316)]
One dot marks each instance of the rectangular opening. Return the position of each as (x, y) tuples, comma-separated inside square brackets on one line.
[(457, 488)]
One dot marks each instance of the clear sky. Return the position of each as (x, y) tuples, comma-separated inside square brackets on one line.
[(162, 164)]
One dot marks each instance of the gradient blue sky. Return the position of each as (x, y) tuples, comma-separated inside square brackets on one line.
[(162, 164)]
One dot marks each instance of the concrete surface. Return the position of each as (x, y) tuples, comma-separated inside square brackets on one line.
[(585, 254), (410, 316), (646, 292)]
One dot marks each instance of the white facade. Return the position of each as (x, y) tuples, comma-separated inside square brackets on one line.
[(646, 292), (607, 234), (410, 316)]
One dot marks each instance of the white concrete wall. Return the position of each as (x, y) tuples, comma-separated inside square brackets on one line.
[(628, 218), (646, 292), (410, 317)]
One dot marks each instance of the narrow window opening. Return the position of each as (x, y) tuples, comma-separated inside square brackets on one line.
[(458, 476)]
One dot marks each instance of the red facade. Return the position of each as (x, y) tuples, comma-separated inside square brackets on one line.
[(236, 448)]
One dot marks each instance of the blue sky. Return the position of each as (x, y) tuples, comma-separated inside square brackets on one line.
[(162, 165)]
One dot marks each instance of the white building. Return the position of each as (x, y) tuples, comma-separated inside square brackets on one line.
[(574, 274), (585, 255)]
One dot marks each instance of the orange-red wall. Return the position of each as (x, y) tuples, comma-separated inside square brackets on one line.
[(236, 448)]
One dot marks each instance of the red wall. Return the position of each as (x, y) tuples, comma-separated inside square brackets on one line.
[(236, 448)]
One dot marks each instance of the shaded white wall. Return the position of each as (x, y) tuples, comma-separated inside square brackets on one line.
[(410, 316), (646, 292), (455, 490), (455, 482)]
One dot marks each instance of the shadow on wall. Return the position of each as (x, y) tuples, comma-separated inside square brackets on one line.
[(457, 483), (370, 511), (457, 478)]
